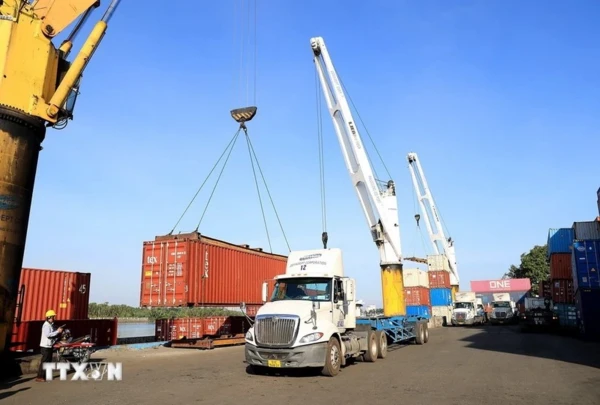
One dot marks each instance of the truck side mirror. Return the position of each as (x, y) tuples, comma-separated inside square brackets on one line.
[(265, 290)]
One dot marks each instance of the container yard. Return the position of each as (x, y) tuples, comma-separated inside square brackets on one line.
[(347, 310)]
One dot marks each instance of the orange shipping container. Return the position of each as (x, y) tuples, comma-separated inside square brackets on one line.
[(26, 335), (417, 296), (560, 266), (66, 292), (439, 279), (193, 270)]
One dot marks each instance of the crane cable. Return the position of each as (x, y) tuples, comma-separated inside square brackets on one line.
[(242, 116), (321, 157)]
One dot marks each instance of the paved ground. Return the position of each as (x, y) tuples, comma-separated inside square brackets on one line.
[(490, 365)]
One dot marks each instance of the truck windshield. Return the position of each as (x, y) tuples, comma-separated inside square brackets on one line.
[(501, 304), (310, 289), (463, 305)]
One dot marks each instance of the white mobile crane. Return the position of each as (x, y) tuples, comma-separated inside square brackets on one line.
[(442, 245), (310, 319)]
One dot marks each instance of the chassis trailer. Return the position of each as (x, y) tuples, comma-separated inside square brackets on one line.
[(368, 341)]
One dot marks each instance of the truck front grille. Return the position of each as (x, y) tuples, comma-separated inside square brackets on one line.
[(500, 314), (276, 330), (460, 316)]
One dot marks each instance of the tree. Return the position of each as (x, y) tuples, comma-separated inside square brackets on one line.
[(534, 266)]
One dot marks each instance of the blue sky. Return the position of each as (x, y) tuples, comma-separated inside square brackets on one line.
[(499, 99)]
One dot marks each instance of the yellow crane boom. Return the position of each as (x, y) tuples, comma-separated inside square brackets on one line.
[(38, 89)]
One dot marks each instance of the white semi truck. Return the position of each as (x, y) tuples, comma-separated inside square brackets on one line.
[(310, 319), (467, 309), (504, 310)]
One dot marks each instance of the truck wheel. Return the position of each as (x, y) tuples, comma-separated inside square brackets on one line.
[(370, 355), (426, 338), (381, 338), (333, 358), (419, 334)]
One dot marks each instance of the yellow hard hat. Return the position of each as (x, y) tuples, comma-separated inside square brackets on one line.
[(50, 313)]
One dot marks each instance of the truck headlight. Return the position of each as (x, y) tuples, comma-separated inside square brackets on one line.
[(249, 336), (312, 337)]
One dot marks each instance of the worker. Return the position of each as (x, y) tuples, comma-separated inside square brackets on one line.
[(49, 336)]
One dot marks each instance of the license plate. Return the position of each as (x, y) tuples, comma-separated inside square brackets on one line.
[(274, 363)]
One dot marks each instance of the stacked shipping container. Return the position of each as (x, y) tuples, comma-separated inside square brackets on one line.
[(585, 262), (560, 283), (440, 291), (416, 292), (194, 270)]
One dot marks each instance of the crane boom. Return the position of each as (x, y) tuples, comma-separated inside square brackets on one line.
[(441, 245), (376, 200)]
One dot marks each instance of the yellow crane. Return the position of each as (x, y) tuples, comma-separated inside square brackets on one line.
[(38, 89)]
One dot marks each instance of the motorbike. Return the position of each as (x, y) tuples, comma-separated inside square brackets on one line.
[(78, 349)]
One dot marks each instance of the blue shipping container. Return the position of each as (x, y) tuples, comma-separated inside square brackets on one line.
[(585, 260), (440, 296), (419, 310), (560, 240), (567, 315), (588, 305)]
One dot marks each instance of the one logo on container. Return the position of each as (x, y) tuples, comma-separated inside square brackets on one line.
[(8, 202)]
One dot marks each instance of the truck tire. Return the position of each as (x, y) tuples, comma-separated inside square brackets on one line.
[(426, 338), (381, 344), (419, 334), (370, 355), (333, 358)]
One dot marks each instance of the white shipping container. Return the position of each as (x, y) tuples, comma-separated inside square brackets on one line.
[(465, 296), (441, 311), (437, 263), (415, 278), (501, 296), (586, 230)]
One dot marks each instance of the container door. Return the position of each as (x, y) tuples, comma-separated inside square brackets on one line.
[(152, 275), (175, 280)]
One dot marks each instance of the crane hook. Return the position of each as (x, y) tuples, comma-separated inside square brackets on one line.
[(324, 238), (417, 217)]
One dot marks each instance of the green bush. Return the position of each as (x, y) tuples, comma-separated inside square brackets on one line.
[(106, 310)]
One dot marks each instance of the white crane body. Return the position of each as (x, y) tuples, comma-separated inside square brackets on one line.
[(441, 244)]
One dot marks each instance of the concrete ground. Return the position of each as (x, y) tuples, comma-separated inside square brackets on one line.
[(488, 365)]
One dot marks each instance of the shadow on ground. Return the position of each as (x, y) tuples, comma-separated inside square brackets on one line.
[(508, 339), (6, 394)]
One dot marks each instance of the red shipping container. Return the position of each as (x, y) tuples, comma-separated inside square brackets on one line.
[(193, 270), (545, 289), (560, 266), (417, 296), (562, 291), (439, 279), (200, 328), (66, 292), (26, 335)]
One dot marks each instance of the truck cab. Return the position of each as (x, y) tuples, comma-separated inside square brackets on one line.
[(539, 315), (504, 310), (467, 309), (309, 320)]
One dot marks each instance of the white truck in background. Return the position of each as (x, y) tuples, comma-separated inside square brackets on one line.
[(467, 309), (504, 310)]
